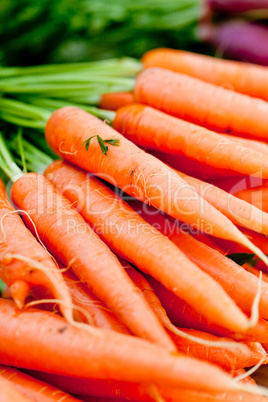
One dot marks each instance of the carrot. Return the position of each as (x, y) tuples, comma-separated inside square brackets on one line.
[(25, 263), (194, 168), (228, 359), (211, 105), (33, 389), (9, 393), (237, 282), (243, 77), (48, 342), (258, 146), (2, 187), (257, 197), (134, 171), (196, 343), (82, 297), (237, 210), (115, 100), (133, 239), (152, 128), (90, 259), (122, 391), (184, 316)]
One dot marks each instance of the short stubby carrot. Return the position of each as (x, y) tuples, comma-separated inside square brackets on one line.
[(65, 233), (139, 243), (25, 263), (152, 128), (136, 172), (115, 100), (44, 341), (246, 78), (32, 388), (201, 102)]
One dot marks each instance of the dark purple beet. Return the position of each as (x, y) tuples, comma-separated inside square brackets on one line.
[(242, 41), (237, 6)]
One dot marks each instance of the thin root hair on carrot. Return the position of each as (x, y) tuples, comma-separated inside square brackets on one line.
[(66, 152), (88, 327), (21, 211), (250, 371)]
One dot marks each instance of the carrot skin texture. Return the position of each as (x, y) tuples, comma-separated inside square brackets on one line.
[(69, 127), (32, 388), (82, 297), (246, 78), (154, 129), (211, 105), (239, 212), (18, 275), (136, 241), (9, 393), (184, 316), (238, 283), (229, 359), (102, 273), (104, 355), (122, 391), (115, 100)]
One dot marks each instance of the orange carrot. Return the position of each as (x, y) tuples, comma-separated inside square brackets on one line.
[(184, 316), (243, 77), (2, 187), (25, 263), (31, 388), (258, 146), (257, 197), (133, 239), (228, 358), (136, 172), (65, 233), (122, 391), (237, 282), (9, 393), (82, 297), (238, 211), (42, 340), (194, 168), (201, 102), (115, 100), (152, 128)]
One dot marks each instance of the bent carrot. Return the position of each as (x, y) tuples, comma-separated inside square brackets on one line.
[(115, 100), (136, 241), (106, 355), (33, 389), (122, 391), (243, 77), (9, 392), (136, 172), (152, 128), (90, 259), (211, 105), (241, 285), (18, 271)]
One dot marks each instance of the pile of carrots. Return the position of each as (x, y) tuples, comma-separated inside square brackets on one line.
[(135, 267)]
